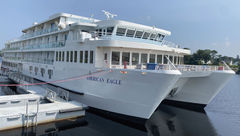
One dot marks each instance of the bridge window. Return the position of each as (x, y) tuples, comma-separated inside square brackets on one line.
[(152, 58), (125, 57), (135, 58), (115, 58), (109, 30), (121, 31), (86, 57), (144, 58), (158, 38), (139, 34), (153, 36), (146, 35), (159, 59), (81, 57), (130, 33), (91, 57)]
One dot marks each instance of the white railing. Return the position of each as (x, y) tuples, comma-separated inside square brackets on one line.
[(225, 67)]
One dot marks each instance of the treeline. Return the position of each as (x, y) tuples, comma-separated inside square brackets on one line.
[(211, 57)]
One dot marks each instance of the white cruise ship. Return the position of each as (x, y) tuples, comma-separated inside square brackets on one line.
[(112, 65)]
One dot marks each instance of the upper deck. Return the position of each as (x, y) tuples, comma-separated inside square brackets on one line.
[(55, 31)]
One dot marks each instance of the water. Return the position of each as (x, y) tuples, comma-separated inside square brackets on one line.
[(222, 118)]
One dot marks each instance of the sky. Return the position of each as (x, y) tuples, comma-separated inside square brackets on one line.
[(194, 24)]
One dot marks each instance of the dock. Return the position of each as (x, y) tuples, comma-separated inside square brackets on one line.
[(38, 105)]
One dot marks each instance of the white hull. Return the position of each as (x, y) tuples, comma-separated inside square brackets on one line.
[(137, 94), (200, 87)]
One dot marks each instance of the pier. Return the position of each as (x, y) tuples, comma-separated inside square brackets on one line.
[(36, 106)]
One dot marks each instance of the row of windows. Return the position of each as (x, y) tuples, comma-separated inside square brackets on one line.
[(42, 71), (139, 34), (143, 59), (72, 56)]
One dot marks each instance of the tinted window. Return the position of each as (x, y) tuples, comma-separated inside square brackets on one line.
[(135, 58), (109, 30), (159, 59), (81, 57), (165, 59), (91, 57), (75, 56), (71, 56), (86, 57), (153, 36), (125, 57), (115, 58), (130, 33), (146, 35), (139, 34), (143, 58), (152, 58), (63, 55), (121, 31), (56, 56), (67, 56)]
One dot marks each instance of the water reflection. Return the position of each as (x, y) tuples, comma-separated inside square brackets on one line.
[(166, 121), (172, 121)]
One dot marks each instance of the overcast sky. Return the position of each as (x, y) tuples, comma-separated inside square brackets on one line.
[(202, 24)]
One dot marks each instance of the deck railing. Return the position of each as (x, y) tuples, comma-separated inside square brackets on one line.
[(223, 67)]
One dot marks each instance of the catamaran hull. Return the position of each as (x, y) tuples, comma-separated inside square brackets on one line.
[(199, 88), (130, 92)]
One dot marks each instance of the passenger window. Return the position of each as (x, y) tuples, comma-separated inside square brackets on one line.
[(75, 56), (144, 58), (130, 33), (115, 58), (146, 35), (121, 31), (175, 59), (135, 58), (139, 34), (91, 57), (60, 56), (56, 56), (63, 55), (81, 57), (125, 57), (71, 56), (86, 57), (67, 56), (171, 58), (165, 59), (152, 58), (159, 59)]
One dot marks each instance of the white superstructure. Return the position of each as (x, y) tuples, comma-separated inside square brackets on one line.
[(138, 67)]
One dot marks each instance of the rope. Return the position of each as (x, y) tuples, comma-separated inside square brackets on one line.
[(97, 73)]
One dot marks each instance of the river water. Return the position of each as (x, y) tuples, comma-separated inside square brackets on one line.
[(222, 118)]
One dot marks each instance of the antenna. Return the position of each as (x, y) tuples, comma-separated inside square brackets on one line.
[(109, 15)]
